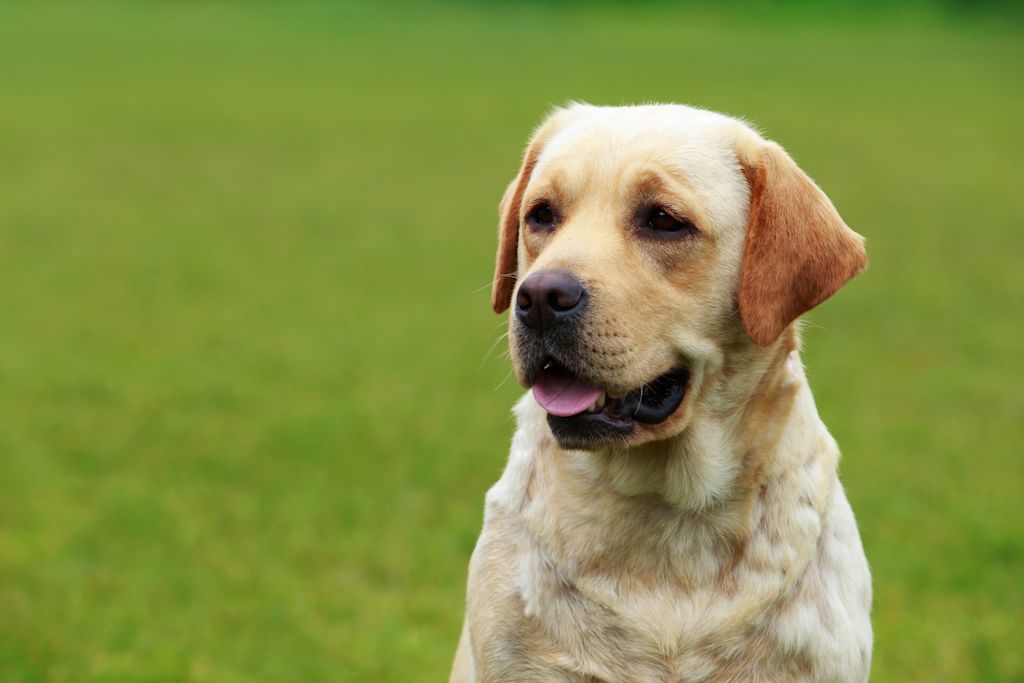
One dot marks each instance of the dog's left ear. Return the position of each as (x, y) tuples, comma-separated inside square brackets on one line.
[(798, 251), (506, 268)]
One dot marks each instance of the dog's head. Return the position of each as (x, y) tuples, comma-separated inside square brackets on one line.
[(641, 246)]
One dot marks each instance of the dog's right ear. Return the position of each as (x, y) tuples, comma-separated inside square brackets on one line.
[(506, 269)]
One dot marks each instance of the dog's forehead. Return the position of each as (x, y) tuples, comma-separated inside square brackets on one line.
[(672, 138)]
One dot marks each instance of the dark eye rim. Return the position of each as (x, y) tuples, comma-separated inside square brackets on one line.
[(683, 227), (531, 220)]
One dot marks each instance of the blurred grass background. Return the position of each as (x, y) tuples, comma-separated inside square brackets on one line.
[(248, 412)]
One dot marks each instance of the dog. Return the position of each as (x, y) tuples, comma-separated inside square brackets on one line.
[(670, 510)]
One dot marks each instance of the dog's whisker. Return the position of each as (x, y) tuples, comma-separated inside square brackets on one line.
[(482, 287), (490, 283), (493, 346), (505, 379)]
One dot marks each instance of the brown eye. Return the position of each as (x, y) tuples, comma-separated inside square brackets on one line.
[(664, 223), (541, 217)]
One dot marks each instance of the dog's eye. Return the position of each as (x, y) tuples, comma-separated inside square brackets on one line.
[(662, 222), (541, 217)]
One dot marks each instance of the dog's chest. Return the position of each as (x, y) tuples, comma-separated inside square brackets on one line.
[(618, 630)]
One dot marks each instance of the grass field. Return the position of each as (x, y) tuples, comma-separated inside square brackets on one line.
[(248, 412)]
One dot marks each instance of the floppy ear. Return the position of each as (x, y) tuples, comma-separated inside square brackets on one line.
[(798, 251), (507, 266)]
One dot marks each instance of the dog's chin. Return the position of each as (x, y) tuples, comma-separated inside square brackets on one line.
[(636, 417)]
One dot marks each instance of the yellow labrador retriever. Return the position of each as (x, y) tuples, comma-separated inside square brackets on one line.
[(670, 510)]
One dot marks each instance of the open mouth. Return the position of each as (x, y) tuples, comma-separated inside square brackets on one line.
[(583, 414)]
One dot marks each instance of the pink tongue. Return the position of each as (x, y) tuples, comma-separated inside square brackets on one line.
[(563, 395)]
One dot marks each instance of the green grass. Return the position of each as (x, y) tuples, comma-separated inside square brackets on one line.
[(248, 412)]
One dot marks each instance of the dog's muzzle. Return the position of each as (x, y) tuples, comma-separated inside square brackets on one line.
[(550, 306)]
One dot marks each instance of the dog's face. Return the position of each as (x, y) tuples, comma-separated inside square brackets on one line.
[(639, 248)]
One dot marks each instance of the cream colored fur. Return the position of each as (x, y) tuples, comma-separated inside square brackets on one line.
[(716, 546)]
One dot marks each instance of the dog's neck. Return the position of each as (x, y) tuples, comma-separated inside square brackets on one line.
[(754, 429)]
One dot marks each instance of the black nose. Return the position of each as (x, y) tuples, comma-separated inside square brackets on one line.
[(549, 297)]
